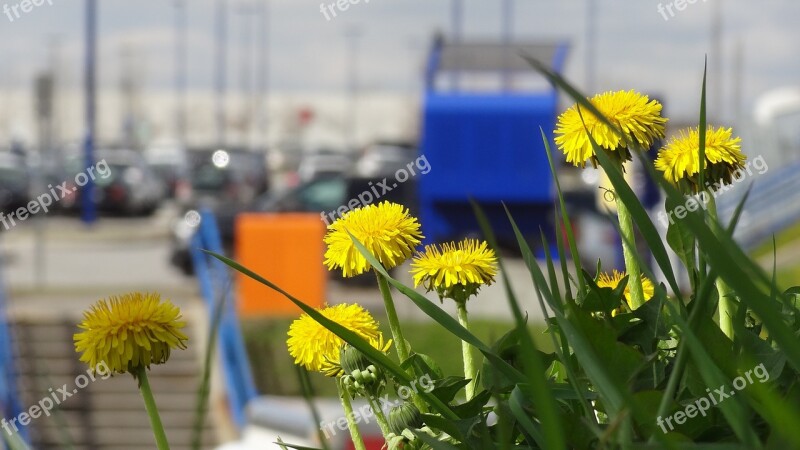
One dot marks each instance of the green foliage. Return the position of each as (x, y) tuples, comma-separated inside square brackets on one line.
[(608, 380)]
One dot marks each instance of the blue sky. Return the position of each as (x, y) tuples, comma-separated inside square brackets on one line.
[(636, 47)]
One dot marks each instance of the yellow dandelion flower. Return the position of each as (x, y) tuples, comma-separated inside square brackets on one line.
[(680, 158), (612, 280), (386, 230), (455, 270), (130, 332), (635, 114), (317, 349)]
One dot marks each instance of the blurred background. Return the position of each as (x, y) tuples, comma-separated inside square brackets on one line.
[(247, 126)]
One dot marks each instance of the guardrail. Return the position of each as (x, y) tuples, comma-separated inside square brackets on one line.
[(773, 205), (10, 404), (215, 286)]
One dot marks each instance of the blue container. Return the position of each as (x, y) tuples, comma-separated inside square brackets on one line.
[(487, 147)]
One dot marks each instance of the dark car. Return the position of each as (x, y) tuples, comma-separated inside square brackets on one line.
[(128, 185), (14, 182), (225, 181), (327, 196), (383, 159), (170, 162)]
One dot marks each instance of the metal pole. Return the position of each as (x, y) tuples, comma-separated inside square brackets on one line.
[(716, 81), (246, 71), (508, 36), (180, 70), (591, 45), (221, 68), (88, 208), (456, 23), (263, 74), (352, 36)]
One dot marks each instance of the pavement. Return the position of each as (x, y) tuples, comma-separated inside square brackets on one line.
[(80, 265)]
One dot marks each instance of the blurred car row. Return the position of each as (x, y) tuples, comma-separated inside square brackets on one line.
[(132, 183), (227, 183)]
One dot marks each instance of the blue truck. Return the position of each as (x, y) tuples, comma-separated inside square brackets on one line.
[(482, 113)]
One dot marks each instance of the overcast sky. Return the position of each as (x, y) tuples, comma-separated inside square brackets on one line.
[(636, 47)]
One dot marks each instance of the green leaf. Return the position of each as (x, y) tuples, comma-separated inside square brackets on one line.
[(682, 242), (348, 336)]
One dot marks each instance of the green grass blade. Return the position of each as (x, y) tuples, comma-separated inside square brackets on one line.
[(640, 217), (573, 247), (534, 370), (348, 336), (734, 412)]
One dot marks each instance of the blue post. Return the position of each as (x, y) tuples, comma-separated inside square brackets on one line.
[(88, 208)]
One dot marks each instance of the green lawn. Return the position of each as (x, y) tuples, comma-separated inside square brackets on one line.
[(275, 373)]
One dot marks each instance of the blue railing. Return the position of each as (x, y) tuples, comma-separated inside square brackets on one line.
[(773, 204), (215, 286), (10, 404)]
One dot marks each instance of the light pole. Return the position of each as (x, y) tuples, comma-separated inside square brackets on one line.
[(88, 209), (456, 25), (352, 35), (180, 70), (263, 73), (221, 68), (508, 36), (591, 45)]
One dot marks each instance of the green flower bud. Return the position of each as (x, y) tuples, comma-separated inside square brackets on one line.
[(403, 417), (351, 359)]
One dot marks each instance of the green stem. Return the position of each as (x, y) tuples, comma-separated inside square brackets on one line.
[(400, 343), (629, 252), (470, 370), (394, 322), (355, 434), (727, 297), (379, 416), (152, 409)]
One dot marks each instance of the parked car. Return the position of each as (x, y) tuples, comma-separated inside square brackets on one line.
[(14, 182), (171, 163), (131, 186), (324, 163), (324, 195), (383, 159), (225, 181)]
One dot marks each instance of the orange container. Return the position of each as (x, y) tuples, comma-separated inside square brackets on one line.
[(286, 249)]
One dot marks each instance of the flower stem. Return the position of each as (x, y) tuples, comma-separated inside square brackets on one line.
[(470, 370), (629, 252), (379, 416), (355, 434), (152, 409), (394, 322), (727, 298)]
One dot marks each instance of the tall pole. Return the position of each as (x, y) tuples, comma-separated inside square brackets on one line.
[(221, 68), (352, 35), (88, 210), (246, 71), (591, 45), (738, 83), (263, 74), (180, 70), (456, 24), (508, 36), (716, 62)]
